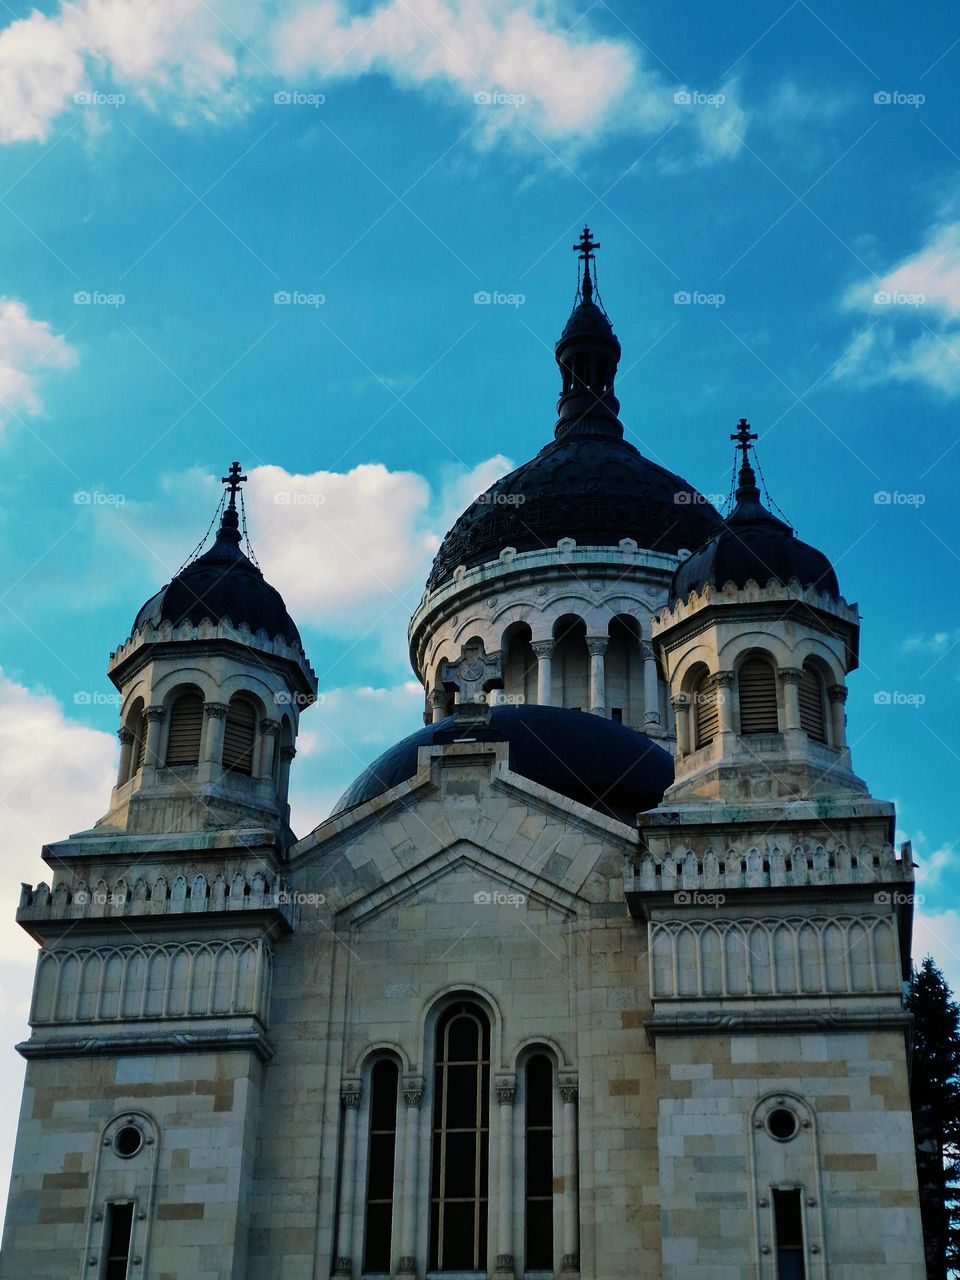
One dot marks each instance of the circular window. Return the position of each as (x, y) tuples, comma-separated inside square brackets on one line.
[(128, 1141), (782, 1124)]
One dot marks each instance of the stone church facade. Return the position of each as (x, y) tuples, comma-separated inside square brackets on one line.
[(597, 975)]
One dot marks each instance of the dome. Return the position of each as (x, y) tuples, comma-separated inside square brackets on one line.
[(222, 583), (753, 544), (585, 757), (594, 488)]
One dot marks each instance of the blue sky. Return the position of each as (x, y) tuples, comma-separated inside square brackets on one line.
[(791, 168)]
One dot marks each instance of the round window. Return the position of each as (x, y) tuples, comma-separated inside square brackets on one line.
[(782, 1124), (128, 1141)]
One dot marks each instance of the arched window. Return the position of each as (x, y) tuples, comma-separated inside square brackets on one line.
[(139, 742), (381, 1157), (812, 718), (239, 736), (461, 1129), (538, 1164), (186, 727), (706, 722), (758, 697)]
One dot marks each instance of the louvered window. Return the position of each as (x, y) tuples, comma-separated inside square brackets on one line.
[(239, 735), (705, 712), (186, 726), (140, 743), (758, 697), (812, 720)]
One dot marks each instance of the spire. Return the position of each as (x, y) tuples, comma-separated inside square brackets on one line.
[(748, 502), (588, 354)]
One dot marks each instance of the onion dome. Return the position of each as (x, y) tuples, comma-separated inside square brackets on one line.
[(588, 758), (753, 545), (222, 583), (588, 483)]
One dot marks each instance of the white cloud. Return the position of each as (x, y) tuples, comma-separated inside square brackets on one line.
[(915, 309), (27, 348), (935, 644), (937, 934), (542, 69)]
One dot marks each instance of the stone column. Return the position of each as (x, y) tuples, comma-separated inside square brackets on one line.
[(269, 737), (681, 707), (350, 1101), (214, 714), (790, 678), (569, 1094), (724, 681), (651, 687), (837, 693), (127, 737), (412, 1096), (438, 703), (286, 759), (506, 1093), (544, 652), (597, 647), (154, 718)]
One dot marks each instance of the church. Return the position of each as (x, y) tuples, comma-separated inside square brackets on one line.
[(598, 975)]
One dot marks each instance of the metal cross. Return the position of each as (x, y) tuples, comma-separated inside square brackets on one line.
[(743, 435), (233, 480)]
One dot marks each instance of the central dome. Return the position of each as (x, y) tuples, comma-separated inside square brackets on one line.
[(588, 483)]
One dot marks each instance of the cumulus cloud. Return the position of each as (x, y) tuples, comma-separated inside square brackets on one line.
[(915, 312), (516, 64), (28, 347)]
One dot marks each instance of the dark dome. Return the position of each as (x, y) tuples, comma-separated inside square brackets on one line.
[(222, 583), (753, 544), (595, 488), (585, 757)]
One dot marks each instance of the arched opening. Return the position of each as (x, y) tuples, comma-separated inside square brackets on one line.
[(460, 1141), (538, 1163), (186, 728), (571, 664), (239, 736), (812, 697), (757, 686), (704, 710), (381, 1162), (624, 671), (136, 726), (519, 663)]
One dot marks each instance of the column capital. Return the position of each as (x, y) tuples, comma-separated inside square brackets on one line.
[(268, 726), (407, 1266), (125, 735), (680, 701), (571, 1262), (350, 1095), (505, 1264), (287, 752), (597, 645), (570, 1092), (837, 693), (154, 712), (790, 675), (413, 1093), (216, 710), (543, 648), (438, 697), (506, 1091), (647, 651), (724, 679)]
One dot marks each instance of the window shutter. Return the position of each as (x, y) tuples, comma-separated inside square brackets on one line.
[(239, 734), (140, 745), (758, 697), (186, 727), (706, 713), (811, 706)]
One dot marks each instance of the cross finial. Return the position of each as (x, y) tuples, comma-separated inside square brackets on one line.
[(584, 248), (743, 436), (233, 480)]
